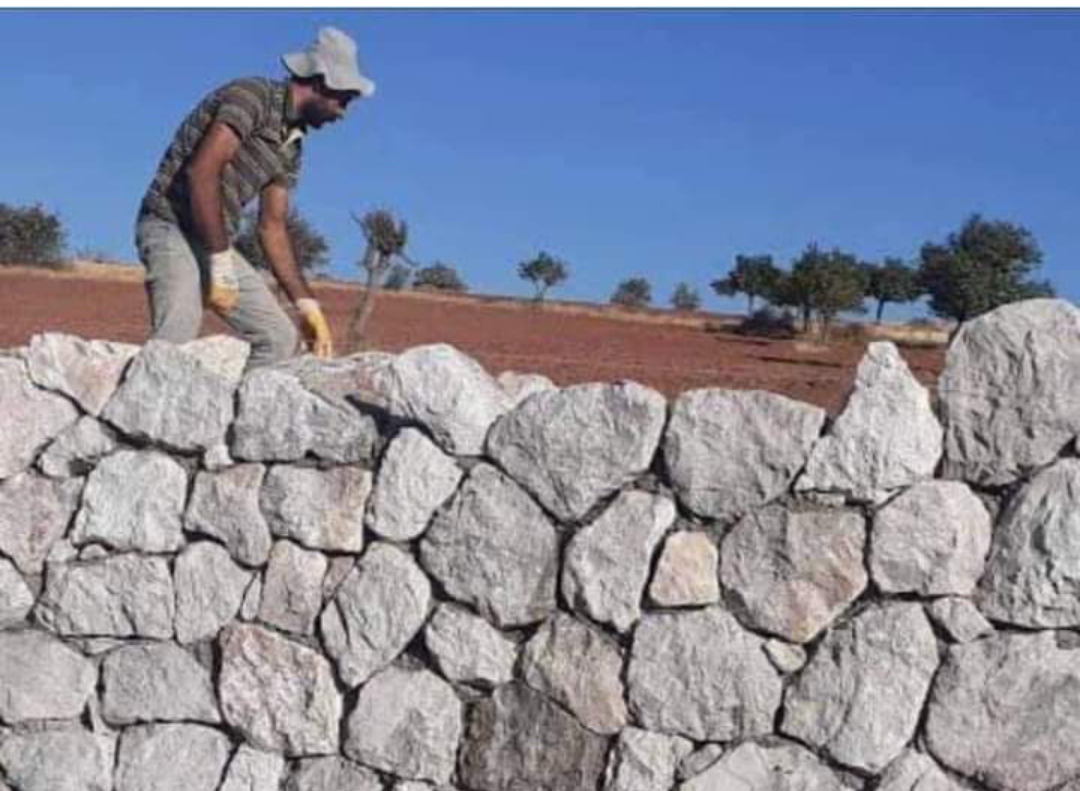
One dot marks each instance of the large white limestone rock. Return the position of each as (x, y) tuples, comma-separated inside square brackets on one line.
[(731, 451), (572, 447), (886, 438)]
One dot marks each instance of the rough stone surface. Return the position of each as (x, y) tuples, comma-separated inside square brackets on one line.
[(786, 657), (321, 509), (225, 506), (121, 596), (581, 668), (701, 675), (34, 514), (209, 591), (1006, 711), (519, 386), (931, 540), (467, 649), (644, 761), (1033, 573), (30, 419), (731, 451), (62, 759), (495, 549), (278, 694), (86, 371), (887, 437), (254, 770), (791, 573), (76, 450), (332, 773), (414, 479), (133, 501), (292, 590), (41, 678), (376, 611), (407, 723), (687, 573), (450, 394), (519, 739), (171, 758), (772, 766), (606, 564), (915, 771), (959, 618), (698, 761), (169, 397), (1008, 392), (223, 354), (249, 607), (16, 598), (860, 696), (575, 446), (278, 419), (156, 682)]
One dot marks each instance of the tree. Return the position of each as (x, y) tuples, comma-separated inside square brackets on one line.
[(826, 284), (893, 281), (544, 272), (30, 235), (984, 265), (439, 277), (386, 238), (753, 275), (309, 246), (685, 297), (634, 292)]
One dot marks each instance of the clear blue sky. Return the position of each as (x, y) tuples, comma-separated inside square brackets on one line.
[(655, 143)]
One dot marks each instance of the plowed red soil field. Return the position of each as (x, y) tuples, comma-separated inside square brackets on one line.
[(569, 344)]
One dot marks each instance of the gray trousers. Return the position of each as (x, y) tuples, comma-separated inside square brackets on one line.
[(177, 277)]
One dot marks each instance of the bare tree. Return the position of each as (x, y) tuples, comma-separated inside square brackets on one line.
[(386, 237)]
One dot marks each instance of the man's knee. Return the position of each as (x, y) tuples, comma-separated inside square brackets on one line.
[(274, 342)]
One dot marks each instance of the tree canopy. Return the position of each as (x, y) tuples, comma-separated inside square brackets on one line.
[(309, 246), (753, 275), (439, 277), (892, 281), (985, 264), (634, 292), (544, 272)]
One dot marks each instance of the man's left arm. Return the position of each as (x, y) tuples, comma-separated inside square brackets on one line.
[(277, 246)]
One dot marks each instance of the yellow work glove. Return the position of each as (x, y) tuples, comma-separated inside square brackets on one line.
[(224, 282), (316, 330)]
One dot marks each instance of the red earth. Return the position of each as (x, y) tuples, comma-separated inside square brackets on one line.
[(569, 344)]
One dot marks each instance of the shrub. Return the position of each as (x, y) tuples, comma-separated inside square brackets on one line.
[(439, 277), (768, 323), (685, 298), (30, 236), (634, 292), (398, 277), (309, 246)]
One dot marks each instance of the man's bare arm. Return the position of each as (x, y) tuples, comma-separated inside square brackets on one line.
[(276, 244), (218, 146)]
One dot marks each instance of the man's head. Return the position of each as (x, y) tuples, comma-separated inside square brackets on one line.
[(326, 77)]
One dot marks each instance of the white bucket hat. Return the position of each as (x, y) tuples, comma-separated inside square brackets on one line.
[(333, 55)]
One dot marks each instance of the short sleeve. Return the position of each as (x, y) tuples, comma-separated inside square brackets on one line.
[(241, 106)]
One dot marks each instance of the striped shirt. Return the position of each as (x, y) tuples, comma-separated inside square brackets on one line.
[(260, 113)]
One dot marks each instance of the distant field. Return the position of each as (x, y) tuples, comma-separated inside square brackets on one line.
[(568, 342)]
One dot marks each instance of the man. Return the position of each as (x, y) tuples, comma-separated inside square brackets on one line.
[(242, 141)]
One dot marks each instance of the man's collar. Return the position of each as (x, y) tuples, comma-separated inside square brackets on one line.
[(290, 116)]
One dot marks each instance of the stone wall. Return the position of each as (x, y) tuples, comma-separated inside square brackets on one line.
[(397, 572)]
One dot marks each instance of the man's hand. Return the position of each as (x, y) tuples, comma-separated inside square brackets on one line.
[(315, 327), (224, 283)]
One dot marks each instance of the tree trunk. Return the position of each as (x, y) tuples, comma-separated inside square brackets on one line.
[(374, 266), (880, 309)]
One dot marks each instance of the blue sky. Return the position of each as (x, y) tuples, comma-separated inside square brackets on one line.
[(634, 142)]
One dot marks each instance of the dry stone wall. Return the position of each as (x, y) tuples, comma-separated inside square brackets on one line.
[(396, 573)]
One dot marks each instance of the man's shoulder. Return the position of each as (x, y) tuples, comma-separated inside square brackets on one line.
[(261, 87)]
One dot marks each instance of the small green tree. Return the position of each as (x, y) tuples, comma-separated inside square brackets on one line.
[(634, 292), (685, 297), (826, 284), (544, 272), (398, 277), (982, 266), (30, 235), (309, 246), (753, 275), (386, 237), (439, 277), (893, 281)]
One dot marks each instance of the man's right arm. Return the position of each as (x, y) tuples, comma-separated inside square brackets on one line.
[(218, 146)]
